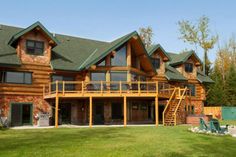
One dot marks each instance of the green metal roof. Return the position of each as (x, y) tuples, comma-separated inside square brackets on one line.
[(8, 56), (153, 48), (181, 58), (173, 75), (202, 78), (28, 29), (71, 53)]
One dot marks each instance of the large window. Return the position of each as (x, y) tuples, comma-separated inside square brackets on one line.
[(189, 67), (34, 47), (98, 76), (102, 62), (68, 86), (119, 58), (16, 77), (119, 76), (156, 63)]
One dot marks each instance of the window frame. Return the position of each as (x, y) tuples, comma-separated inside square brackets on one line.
[(4, 75), (34, 47), (188, 68), (156, 62), (190, 86), (117, 51)]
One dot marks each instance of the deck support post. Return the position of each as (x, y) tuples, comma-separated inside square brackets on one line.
[(56, 106), (156, 110), (125, 111), (56, 111), (90, 111)]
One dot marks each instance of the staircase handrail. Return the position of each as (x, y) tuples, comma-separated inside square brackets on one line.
[(180, 100), (163, 113)]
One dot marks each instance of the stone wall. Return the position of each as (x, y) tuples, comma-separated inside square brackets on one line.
[(39, 104), (36, 59)]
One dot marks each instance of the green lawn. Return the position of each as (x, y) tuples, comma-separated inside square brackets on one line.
[(115, 142)]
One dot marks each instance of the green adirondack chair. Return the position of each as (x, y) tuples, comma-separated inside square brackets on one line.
[(215, 126), (203, 125)]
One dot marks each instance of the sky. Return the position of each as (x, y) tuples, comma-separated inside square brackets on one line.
[(107, 20)]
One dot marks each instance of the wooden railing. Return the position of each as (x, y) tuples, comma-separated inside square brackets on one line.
[(168, 103), (103, 87), (181, 95)]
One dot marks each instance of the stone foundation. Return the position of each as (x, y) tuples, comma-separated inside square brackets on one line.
[(39, 105)]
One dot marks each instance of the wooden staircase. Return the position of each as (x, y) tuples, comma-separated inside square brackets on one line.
[(172, 108)]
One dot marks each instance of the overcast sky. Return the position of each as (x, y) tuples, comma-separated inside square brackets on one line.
[(107, 20)]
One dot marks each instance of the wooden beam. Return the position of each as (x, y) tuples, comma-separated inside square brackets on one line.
[(56, 106), (90, 111), (156, 110), (56, 111), (125, 111)]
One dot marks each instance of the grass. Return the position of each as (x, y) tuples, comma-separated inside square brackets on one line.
[(113, 142), (229, 122)]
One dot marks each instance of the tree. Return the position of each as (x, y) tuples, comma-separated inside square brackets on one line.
[(230, 86), (216, 94), (146, 34), (199, 35), (223, 91)]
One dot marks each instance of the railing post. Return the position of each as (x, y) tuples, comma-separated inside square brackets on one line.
[(101, 87), (63, 87), (157, 87), (49, 88), (120, 87), (56, 86), (82, 86), (139, 88)]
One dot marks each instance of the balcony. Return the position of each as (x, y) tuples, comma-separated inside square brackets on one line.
[(107, 89)]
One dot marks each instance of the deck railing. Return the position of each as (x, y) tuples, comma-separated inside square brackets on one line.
[(102, 87)]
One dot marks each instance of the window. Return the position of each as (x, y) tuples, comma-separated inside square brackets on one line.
[(69, 87), (119, 76), (119, 58), (189, 67), (102, 62), (98, 76), (191, 87), (34, 47), (156, 63), (17, 77)]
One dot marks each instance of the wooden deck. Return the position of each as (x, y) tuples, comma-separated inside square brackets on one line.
[(95, 89), (81, 89)]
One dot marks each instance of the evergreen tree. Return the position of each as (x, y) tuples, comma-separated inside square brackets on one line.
[(230, 86), (216, 94)]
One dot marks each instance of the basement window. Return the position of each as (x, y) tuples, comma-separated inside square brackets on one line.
[(34, 47), (188, 67)]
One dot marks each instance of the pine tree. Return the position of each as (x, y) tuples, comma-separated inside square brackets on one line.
[(216, 94), (230, 86)]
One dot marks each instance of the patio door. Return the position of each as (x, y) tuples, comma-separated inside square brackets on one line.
[(21, 114), (98, 110)]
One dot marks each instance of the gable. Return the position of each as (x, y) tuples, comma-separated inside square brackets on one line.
[(158, 49), (36, 27), (177, 59)]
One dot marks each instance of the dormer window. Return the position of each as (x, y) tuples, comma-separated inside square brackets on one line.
[(34, 47), (188, 67), (156, 63)]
